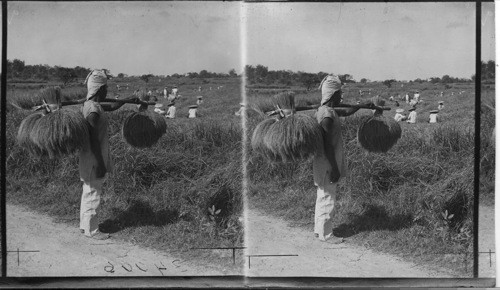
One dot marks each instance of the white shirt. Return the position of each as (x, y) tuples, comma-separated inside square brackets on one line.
[(416, 96), (399, 117), (171, 112), (174, 91), (412, 117), (433, 118), (192, 113), (159, 111)]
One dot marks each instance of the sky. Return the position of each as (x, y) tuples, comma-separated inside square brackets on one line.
[(134, 38), (377, 41)]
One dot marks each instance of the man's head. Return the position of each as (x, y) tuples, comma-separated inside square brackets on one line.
[(331, 92)]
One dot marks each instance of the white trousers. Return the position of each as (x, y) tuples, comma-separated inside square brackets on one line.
[(91, 197), (323, 213)]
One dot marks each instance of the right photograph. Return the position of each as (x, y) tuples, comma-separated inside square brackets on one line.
[(360, 137)]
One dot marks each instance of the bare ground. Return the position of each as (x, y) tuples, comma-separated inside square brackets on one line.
[(63, 251), (487, 241), (276, 249)]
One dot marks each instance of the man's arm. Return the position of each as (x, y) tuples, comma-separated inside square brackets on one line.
[(344, 112), (111, 106), (327, 125), (95, 146)]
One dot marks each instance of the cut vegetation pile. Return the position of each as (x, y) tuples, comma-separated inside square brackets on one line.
[(290, 137), (55, 134)]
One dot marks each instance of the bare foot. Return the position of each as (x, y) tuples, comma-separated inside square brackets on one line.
[(99, 236)]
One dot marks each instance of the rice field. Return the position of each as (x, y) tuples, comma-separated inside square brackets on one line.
[(159, 196), (415, 200), (164, 196)]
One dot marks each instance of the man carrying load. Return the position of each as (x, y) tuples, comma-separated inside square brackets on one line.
[(95, 159), (329, 166)]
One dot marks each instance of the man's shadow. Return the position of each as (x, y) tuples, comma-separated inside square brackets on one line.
[(373, 218), (138, 213)]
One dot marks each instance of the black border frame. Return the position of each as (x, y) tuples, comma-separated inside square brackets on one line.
[(242, 281)]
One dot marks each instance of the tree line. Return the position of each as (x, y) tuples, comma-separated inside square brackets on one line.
[(261, 75), (17, 70)]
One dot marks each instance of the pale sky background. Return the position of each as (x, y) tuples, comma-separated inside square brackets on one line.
[(377, 41), (134, 38), (373, 40)]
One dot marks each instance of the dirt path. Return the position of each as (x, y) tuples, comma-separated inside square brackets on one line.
[(63, 251), (486, 241), (271, 236)]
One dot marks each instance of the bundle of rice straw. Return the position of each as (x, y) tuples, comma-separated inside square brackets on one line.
[(27, 101), (143, 129), (263, 105), (55, 134), (52, 96), (23, 135), (293, 137), (257, 141), (378, 133)]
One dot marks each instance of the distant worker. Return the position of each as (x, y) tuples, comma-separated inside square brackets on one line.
[(399, 115), (413, 102), (412, 117), (441, 105), (199, 89), (407, 98), (171, 110), (433, 116), (158, 109), (192, 111), (442, 94), (165, 92), (174, 91), (171, 97), (199, 100), (416, 96)]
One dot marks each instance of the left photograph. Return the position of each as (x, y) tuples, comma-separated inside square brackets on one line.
[(124, 139)]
